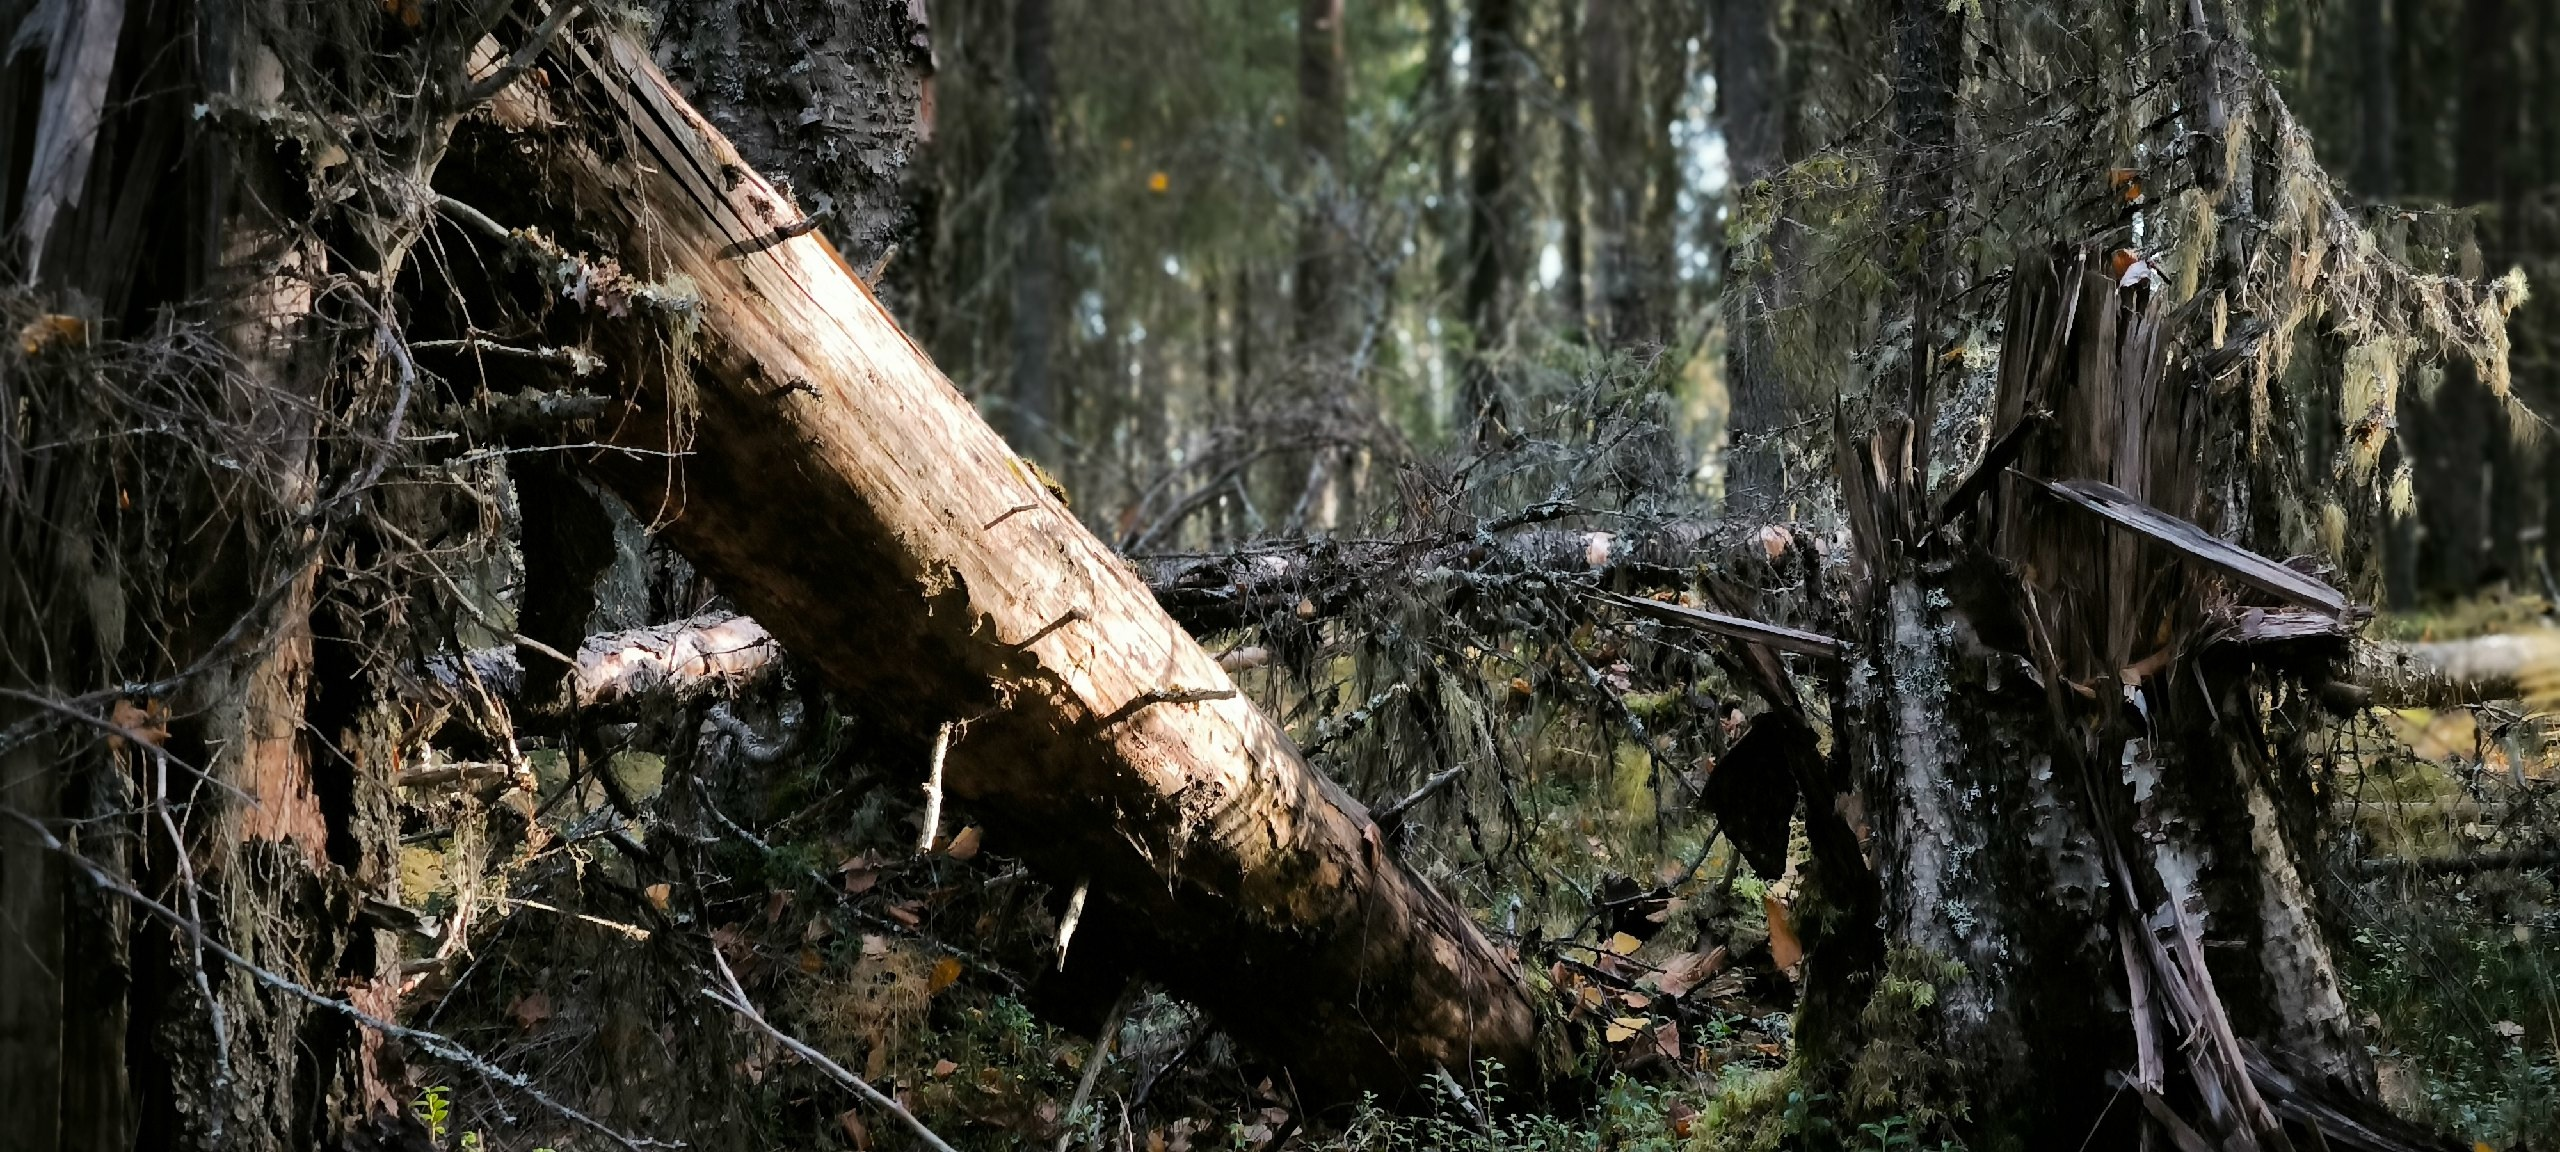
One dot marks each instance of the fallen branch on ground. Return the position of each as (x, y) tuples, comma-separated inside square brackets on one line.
[(734, 998)]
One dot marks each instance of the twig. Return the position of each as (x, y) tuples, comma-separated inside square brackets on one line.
[(1067, 923), (1164, 696), (933, 790), (1392, 814), (472, 218), (1449, 1084), (516, 65), (1102, 1042), (138, 739), (735, 1000), (633, 931), (215, 1016), (1190, 1036), (433, 1043), (980, 963)]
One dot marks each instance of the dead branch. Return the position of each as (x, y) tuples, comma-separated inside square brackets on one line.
[(435, 1044), (1093, 1062), (2446, 673), (734, 997), (678, 663)]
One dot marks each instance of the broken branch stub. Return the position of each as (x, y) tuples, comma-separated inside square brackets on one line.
[(800, 449)]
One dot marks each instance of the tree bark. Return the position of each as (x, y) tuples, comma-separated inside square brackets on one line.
[(1749, 79), (1322, 282), (1493, 260), (838, 487), (175, 212), (1030, 180)]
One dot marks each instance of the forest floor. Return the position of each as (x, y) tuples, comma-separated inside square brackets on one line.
[(565, 922)]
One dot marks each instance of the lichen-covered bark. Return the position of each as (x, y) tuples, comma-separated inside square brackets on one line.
[(825, 98), (2070, 788)]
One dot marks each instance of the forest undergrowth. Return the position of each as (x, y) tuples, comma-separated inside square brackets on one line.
[(1554, 755)]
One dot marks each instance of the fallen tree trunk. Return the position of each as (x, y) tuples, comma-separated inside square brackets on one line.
[(1318, 578), (796, 446)]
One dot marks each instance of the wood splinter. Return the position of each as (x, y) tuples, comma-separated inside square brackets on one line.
[(933, 790)]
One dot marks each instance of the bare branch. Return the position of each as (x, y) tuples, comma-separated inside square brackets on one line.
[(734, 998), (507, 74), (434, 1044)]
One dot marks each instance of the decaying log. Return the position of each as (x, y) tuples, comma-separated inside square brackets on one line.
[(2426, 674), (1210, 593), (2445, 673), (798, 448), (668, 664), (722, 654)]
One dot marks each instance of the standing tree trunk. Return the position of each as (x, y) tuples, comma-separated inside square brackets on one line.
[(1573, 156), (1749, 77), (1493, 260), (1030, 181), (840, 489), (1323, 276), (1439, 93), (193, 444), (1611, 80), (2377, 101)]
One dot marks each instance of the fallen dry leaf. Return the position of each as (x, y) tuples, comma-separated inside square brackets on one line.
[(1688, 970), (1623, 944), (52, 330), (854, 1129), (1666, 1039), (946, 972), (964, 845), (531, 1009), (658, 894), (1623, 1029), (147, 721), (943, 1069), (1784, 949)]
